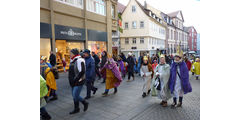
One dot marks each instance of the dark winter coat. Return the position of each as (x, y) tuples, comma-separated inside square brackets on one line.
[(131, 64), (52, 59), (90, 69), (74, 74)]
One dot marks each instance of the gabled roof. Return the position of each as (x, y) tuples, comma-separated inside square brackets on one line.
[(120, 7), (146, 11), (174, 14)]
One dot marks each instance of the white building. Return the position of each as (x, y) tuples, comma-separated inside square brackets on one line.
[(143, 30)]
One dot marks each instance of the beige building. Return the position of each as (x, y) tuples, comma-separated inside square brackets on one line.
[(67, 24), (143, 30)]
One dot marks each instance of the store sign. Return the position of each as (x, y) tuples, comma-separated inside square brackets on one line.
[(69, 33)]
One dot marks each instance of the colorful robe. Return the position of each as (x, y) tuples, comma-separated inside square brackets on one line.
[(184, 77), (196, 68), (113, 75), (50, 80), (163, 70)]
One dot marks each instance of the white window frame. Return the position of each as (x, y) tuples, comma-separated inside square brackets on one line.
[(134, 39), (74, 3), (126, 41), (133, 6), (141, 40), (135, 25), (125, 25), (143, 24)]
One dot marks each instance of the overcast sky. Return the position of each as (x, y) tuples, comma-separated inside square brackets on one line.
[(190, 9)]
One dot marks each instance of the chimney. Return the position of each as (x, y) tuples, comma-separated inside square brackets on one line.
[(145, 4)]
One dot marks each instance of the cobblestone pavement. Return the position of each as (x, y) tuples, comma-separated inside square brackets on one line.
[(127, 104)]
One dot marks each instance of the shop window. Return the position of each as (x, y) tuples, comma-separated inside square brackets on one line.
[(63, 49), (97, 46), (45, 47)]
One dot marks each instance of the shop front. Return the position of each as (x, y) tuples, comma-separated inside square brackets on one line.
[(67, 38), (45, 39), (97, 41)]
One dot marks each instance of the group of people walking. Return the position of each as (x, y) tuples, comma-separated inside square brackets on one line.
[(159, 77)]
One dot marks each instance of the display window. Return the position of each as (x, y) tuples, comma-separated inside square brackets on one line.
[(63, 48), (97, 46), (45, 47)]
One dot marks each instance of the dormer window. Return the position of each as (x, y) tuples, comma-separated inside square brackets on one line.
[(150, 13), (154, 16)]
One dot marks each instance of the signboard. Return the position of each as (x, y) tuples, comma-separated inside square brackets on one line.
[(94, 35), (69, 33), (45, 30)]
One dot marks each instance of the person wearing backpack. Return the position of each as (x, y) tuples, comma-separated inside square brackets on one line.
[(43, 92), (76, 76)]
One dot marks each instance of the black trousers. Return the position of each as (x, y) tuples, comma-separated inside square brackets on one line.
[(90, 87), (130, 74), (97, 71)]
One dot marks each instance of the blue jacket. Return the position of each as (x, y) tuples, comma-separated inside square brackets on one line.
[(90, 68)]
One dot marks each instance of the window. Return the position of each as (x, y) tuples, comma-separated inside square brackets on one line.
[(176, 23), (133, 8), (126, 41), (141, 24), (176, 35), (126, 25), (134, 41), (113, 11), (134, 24), (141, 40), (171, 34), (96, 6), (75, 3), (150, 40)]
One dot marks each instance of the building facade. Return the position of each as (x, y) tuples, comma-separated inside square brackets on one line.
[(198, 43), (176, 36), (67, 24), (143, 30), (192, 38), (116, 34)]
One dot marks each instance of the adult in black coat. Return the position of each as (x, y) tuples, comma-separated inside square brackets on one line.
[(123, 57), (97, 61), (130, 66), (52, 59), (103, 61)]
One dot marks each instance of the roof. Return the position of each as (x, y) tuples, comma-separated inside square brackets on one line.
[(120, 7), (146, 11), (173, 14)]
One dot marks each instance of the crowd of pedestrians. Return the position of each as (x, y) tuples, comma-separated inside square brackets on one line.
[(164, 76)]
